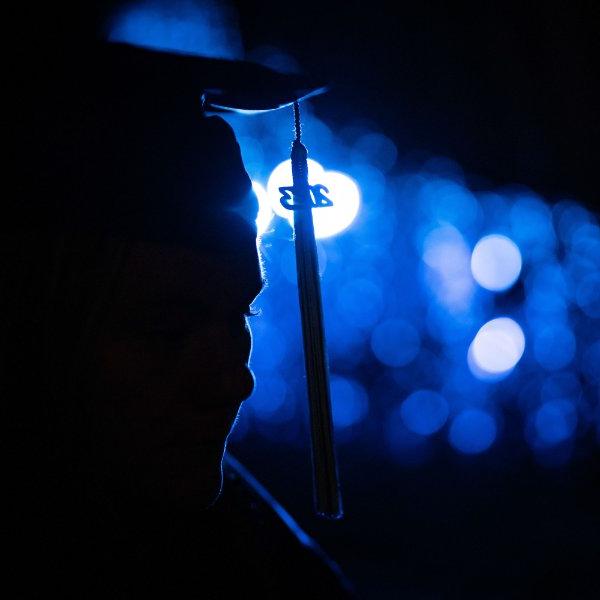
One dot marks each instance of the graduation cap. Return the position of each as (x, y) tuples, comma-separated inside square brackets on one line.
[(118, 138)]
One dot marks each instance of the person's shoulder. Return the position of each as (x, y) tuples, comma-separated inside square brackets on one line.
[(279, 555)]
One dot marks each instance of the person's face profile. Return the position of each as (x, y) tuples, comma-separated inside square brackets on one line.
[(171, 367)]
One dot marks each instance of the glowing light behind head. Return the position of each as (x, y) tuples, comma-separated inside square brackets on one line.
[(343, 191), (497, 348), (265, 214), (496, 262)]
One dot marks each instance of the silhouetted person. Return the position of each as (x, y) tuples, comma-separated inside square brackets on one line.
[(128, 264)]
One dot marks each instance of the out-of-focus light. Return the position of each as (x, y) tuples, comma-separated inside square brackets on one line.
[(447, 255), (376, 149), (269, 346), (496, 262), (270, 401), (555, 421), (588, 295), (360, 302), (532, 229), (265, 213), (591, 364), (497, 348), (424, 412), (191, 27), (407, 447), (554, 346), (349, 400), (395, 343), (343, 192), (448, 202), (472, 431)]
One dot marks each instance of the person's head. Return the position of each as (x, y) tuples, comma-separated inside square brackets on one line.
[(127, 271)]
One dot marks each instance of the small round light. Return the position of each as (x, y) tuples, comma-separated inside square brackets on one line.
[(555, 421), (472, 431), (424, 412), (497, 348), (496, 262)]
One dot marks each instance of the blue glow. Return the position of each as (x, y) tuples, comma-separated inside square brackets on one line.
[(448, 257), (377, 149), (360, 302), (395, 343), (569, 217), (199, 27), (349, 402), (472, 431), (448, 202), (532, 228), (406, 307), (343, 191), (591, 362), (265, 214), (424, 412), (497, 347), (555, 421), (270, 401), (496, 262), (269, 347), (407, 447), (587, 295), (554, 346)]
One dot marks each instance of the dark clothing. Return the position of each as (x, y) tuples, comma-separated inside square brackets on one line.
[(239, 548)]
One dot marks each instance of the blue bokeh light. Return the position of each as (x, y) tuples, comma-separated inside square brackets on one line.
[(349, 402), (408, 308), (555, 421), (472, 431), (424, 412), (395, 343), (496, 262), (554, 346), (497, 348)]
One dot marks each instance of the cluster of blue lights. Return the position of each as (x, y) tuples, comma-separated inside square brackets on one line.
[(445, 307)]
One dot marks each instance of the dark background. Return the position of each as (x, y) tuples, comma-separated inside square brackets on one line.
[(508, 90)]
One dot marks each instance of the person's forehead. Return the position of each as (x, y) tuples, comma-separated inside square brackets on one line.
[(157, 272)]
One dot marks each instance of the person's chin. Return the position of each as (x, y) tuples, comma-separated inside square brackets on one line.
[(189, 483)]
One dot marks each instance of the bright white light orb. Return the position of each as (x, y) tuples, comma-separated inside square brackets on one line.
[(497, 348), (343, 192), (496, 262), (265, 213)]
